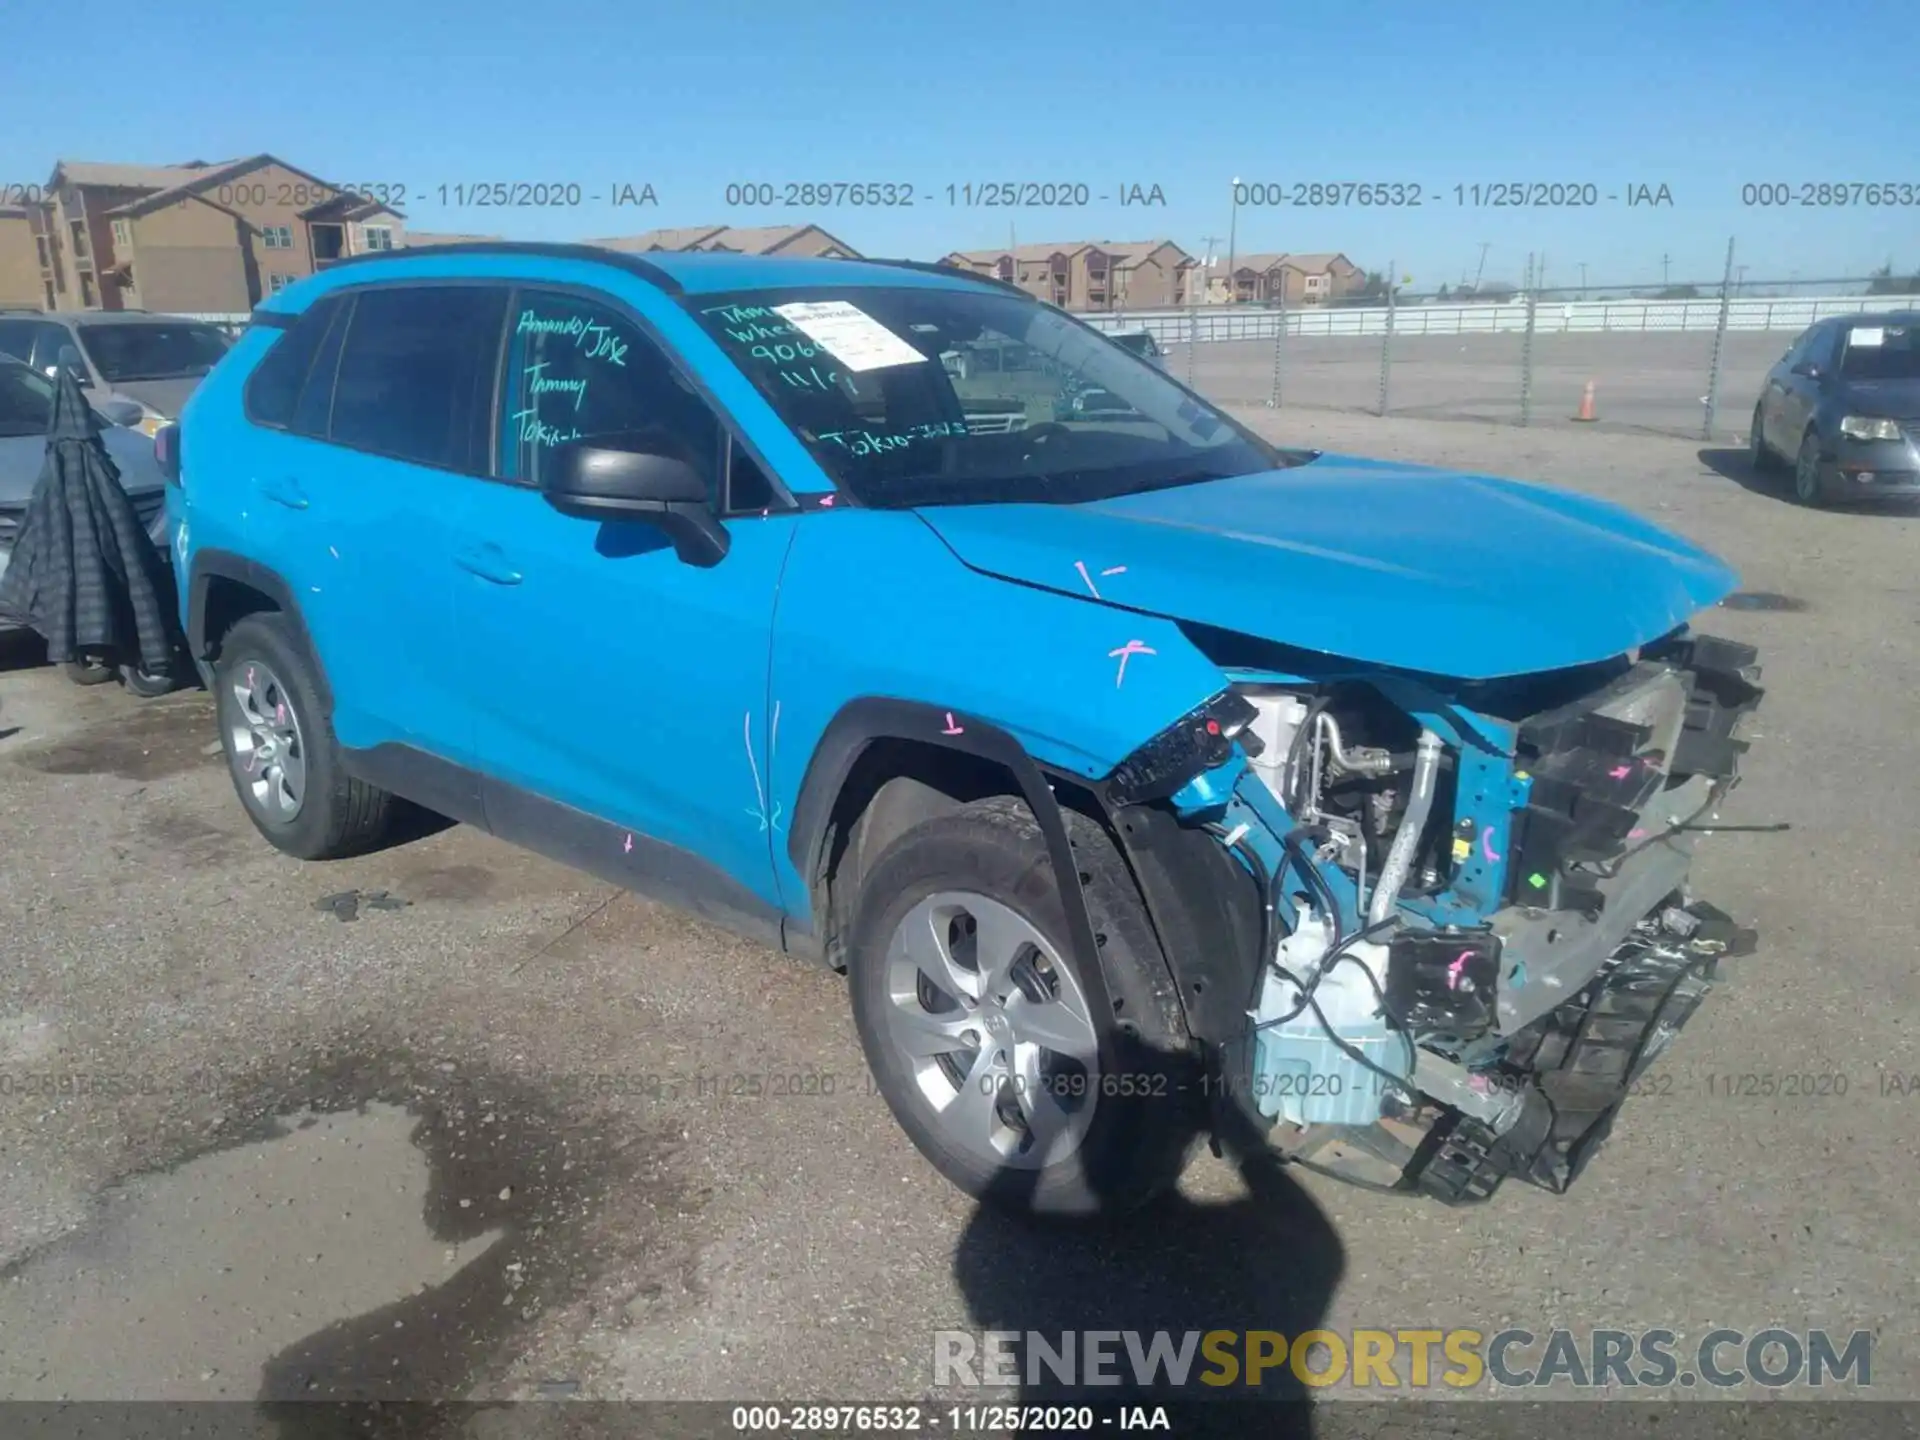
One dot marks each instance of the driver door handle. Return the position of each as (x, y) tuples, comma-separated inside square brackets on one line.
[(283, 491), (490, 563)]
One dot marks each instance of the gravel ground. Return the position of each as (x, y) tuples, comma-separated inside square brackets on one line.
[(523, 1135)]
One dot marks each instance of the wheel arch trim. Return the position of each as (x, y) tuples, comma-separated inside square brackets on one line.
[(862, 722), (212, 564)]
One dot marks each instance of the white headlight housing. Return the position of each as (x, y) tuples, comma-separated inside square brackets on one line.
[(1860, 427)]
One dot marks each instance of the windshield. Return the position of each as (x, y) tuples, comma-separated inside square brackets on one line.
[(929, 396), (1880, 352), (26, 402), (152, 352)]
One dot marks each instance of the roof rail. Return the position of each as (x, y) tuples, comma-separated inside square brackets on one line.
[(547, 249)]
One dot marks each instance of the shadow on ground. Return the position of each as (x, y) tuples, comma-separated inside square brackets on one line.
[(1266, 1260), (1737, 466)]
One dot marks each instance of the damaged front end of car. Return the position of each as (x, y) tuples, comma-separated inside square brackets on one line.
[(1432, 932)]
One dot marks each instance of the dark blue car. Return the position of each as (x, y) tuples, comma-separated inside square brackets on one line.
[(1145, 780), (1842, 406)]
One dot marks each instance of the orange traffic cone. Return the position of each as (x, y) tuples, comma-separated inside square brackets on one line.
[(1586, 405)]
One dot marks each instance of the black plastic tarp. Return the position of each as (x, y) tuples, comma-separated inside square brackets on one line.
[(84, 572)]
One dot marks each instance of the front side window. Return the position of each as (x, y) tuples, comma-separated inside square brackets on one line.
[(16, 339), (26, 402), (415, 379), (142, 350), (580, 372), (930, 395)]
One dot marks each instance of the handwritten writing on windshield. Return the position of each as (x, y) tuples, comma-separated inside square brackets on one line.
[(768, 338), (879, 442), (597, 341)]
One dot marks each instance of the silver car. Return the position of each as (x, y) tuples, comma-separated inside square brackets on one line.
[(26, 407), (137, 369)]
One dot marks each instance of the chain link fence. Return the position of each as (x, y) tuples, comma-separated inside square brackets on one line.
[(1667, 358)]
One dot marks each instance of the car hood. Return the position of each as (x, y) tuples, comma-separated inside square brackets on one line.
[(23, 457), (163, 397), (1402, 566), (1889, 399)]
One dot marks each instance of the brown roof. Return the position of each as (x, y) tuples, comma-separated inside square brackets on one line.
[(685, 237), (134, 177), (194, 183), (1124, 253), (1128, 253), (1316, 264), (744, 239), (448, 237), (1257, 263), (345, 206)]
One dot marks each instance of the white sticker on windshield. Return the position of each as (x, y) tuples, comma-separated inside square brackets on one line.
[(1867, 335), (849, 334)]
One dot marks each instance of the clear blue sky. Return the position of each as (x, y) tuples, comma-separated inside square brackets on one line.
[(1701, 96)]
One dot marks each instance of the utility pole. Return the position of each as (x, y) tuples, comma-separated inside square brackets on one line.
[(1206, 265), (1233, 227), (1740, 278), (1482, 270)]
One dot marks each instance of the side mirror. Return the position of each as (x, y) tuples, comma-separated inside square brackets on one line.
[(592, 483), (122, 412), (166, 451), (1808, 369)]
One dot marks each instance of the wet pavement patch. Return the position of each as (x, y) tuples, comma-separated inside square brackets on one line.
[(162, 737), (348, 904), (378, 1228), (1762, 600)]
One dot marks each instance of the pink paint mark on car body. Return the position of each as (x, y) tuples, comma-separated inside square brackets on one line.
[(953, 726), (1081, 566), (1486, 845), (1132, 647)]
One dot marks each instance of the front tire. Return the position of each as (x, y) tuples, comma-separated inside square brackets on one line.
[(1764, 461), (1806, 473), (1025, 1081), (281, 751)]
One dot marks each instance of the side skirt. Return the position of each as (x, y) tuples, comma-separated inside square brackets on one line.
[(600, 848)]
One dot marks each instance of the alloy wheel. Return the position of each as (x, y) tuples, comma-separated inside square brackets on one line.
[(994, 1029), (1806, 472), (268, 752)]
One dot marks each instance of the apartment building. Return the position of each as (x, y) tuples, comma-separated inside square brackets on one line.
[(20, 284), (1271, 278), (194, 238), (808, 240), (1089, 274)]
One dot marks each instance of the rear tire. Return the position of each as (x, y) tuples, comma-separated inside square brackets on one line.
[(281, 752), (1096, 1116)]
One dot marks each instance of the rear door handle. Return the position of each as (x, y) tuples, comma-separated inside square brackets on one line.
[(489, 563), (283, 492)]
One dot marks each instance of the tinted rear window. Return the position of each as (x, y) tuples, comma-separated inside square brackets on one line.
[(416, 374), (274, 387)]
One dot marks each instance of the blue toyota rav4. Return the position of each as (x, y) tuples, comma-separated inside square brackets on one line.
[(1147, 781)]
